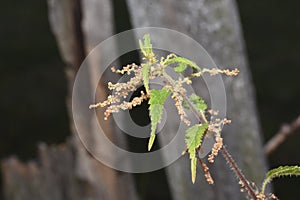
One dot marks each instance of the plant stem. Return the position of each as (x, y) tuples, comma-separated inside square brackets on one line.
[(224, 151), (187, 100), (238, 172)]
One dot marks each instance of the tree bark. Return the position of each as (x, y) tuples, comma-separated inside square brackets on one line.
[(67, 171), (215, 25)]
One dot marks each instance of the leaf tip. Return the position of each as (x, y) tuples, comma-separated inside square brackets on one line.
[(193, 169), (151, 141)]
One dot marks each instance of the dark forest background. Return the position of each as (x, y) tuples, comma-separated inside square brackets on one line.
[(33, 85)]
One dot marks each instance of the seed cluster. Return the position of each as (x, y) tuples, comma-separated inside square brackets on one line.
[(177, 97), (125, 105), (121, 91), (216, 148), (206, 172), (215, 71), (216, 127)]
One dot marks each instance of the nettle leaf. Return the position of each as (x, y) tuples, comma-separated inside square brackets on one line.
[(157, 99), (193, 139), (146, 47), (280, 171), (180, 67), (197, 101), (147, 43), (145, 73), (194, 169), (182, 60)]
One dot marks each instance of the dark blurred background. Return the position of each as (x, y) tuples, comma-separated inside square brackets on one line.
[(33, 85)]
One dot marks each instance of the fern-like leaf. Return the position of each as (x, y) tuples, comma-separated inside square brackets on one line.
[(278, 172), (157, 99), (193, 139)]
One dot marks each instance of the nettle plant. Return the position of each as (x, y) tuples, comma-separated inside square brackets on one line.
[(153, 68)]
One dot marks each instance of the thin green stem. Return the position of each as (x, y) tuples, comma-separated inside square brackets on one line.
[(264, 185)]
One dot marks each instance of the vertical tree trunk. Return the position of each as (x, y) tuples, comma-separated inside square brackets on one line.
[(215, 25), (67, 171)]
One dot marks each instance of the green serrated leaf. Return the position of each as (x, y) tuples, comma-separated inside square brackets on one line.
[(182, 60), (159, 96), (157, 99), (147, 43), (180, 68), (146, 46), (145, 73), (194, 169), (193, 139), (278, 172), (284, 171), (197, 101)]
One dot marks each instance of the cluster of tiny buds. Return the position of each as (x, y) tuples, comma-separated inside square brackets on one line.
[(254, 188), (126, 69), (206, 172), (178, 104), (261, 197), (213, 112), (216, 148), (270, 196), (110, 99), (163, 60), (121, 90), (125, 105), (186, 80), (264, 197), (215, 71), (216, 125)]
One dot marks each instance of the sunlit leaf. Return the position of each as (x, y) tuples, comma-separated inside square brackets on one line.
[(197, 101), (157, 99), (193, 139), (146, 46), (182, 60), (145, 73), (194, 169), (180, 68)]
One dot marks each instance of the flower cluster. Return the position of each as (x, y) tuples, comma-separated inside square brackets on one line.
[(121, 91), (206, 172), (216, 127), (215, 71)]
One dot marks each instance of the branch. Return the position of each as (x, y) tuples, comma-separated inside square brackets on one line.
[(285, 132)]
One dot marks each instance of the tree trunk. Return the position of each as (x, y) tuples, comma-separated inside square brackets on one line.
[(67, 171), (215, 25)]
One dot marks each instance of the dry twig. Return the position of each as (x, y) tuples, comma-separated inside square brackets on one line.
[(285, 131)]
